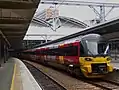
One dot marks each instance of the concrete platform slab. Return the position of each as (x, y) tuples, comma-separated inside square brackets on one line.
[(115, 65), (24, 78), (14, 75), (6, 73)]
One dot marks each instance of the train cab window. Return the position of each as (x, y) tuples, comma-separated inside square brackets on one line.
[(81, 50)]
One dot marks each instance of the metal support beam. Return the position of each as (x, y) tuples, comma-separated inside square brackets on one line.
[(102, 13), (13, 20), (44, 35), (5, 38), (0, 49), (45, 38), (13, 26), (109, 11), (95, 11), (79, 3)]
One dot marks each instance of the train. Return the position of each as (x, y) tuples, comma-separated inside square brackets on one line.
[(81, 56)]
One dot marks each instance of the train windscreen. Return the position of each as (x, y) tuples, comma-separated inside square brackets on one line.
[(90, 47)]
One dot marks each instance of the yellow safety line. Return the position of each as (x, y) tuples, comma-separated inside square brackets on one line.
[(13, 77)]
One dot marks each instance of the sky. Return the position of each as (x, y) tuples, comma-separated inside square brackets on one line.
[(82, 13)]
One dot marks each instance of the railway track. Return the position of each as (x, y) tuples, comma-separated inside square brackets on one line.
[(99, 84), (113, 77), (66, 81), (43, 80), (104, 84)]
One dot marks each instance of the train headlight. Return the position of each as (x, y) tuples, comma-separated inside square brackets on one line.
[(88, 59), (109, 58)]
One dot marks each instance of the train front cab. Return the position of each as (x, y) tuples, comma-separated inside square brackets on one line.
[(93, 67), (94, 64)]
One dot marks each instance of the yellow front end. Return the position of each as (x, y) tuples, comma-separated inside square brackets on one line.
[(94, 67)]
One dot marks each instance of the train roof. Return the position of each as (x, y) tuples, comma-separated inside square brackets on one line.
[(66, 42), (72, 40), (56, 45), (69, 38)]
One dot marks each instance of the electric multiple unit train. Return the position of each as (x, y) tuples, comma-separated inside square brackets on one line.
[(79, 56)]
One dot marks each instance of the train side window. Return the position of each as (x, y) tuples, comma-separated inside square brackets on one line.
[(53, 52), (41, 52), (70, 51)]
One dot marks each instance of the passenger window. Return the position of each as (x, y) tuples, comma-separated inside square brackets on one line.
[(70, 51)]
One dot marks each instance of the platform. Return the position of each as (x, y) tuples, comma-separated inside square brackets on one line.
[(6, 73), (115, 64), (14, 75)]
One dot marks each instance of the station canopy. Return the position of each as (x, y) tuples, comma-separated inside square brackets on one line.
[(15, 16)]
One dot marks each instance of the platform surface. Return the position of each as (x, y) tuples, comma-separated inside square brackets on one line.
[(14, 75), (24, 78), (6, 74), (115, 65)]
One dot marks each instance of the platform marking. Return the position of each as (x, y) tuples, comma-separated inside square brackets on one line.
[(13, 77)]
